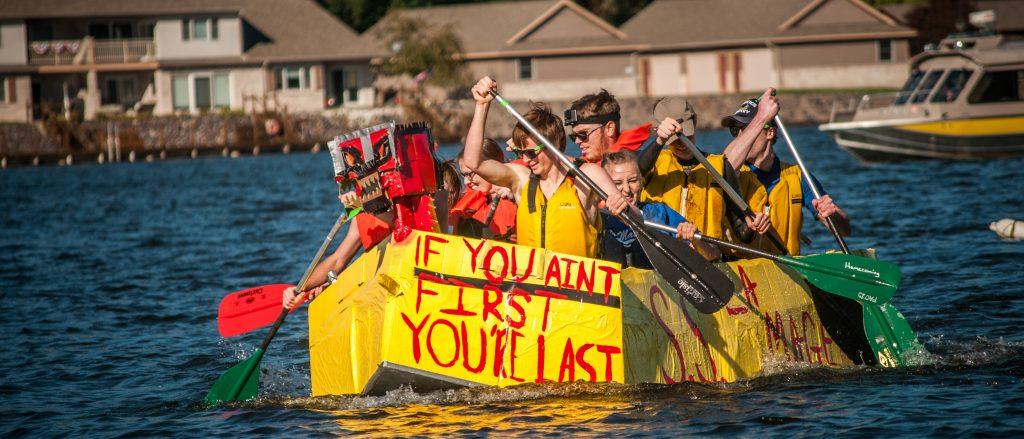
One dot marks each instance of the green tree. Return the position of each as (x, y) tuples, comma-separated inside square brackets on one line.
[(420, 47)]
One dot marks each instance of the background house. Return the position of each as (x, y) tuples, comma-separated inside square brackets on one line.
[(163, 56), (729, 46), (549, 49)]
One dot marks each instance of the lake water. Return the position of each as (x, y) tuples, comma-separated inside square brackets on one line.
[(111, 275)]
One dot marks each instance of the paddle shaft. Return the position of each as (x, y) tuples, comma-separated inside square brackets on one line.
[(780, 259), (641, 232), (810, 182), (237, 389), (733, 195)]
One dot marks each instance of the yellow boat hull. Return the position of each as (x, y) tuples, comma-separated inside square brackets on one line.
[(438, 311)]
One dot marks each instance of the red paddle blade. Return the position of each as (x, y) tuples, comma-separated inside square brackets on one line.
[(249, 309)]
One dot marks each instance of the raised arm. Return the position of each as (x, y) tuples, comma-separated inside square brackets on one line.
[(739, 148), (493, 171)]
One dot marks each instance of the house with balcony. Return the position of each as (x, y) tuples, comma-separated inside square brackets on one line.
[(87, 58)]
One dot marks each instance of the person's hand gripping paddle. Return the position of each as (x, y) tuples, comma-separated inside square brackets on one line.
[(242, 381), (699, 282)]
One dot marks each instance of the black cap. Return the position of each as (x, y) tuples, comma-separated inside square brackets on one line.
[(741, 117)]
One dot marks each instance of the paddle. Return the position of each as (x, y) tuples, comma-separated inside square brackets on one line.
[(810, 182), (241, 382), (249, 309), (699, 282), (853, 277), (880, 321), (733, 195)]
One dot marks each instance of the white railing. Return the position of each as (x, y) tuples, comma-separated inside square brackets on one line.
[(90, 51), (876, 100)]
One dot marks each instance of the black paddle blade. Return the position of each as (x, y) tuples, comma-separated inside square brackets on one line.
[(699, 282)]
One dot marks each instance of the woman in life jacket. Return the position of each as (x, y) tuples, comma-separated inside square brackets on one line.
[(553, 211), (484, 210)]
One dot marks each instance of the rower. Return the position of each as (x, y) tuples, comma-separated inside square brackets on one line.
[(485, 210), (777, 188), (554, 212), (619, 243), (595, 123), (679, 180)]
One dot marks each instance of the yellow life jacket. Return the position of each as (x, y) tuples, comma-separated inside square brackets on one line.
[(705, 202), (558, 224), (785, 206)]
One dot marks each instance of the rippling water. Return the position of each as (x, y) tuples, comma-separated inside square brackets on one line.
[(111, 275)]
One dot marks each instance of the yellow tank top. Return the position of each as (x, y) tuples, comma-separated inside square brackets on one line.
[(558, 224), (705, 203), (785, 205)]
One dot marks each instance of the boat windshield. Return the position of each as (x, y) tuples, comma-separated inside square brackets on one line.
[(999, 86), (908, 87), (927, 84), (952, 86)]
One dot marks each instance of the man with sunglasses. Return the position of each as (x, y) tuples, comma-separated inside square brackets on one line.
[(554, 212), (772, 186)]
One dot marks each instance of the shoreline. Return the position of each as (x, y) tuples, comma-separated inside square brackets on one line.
[(154, 138)]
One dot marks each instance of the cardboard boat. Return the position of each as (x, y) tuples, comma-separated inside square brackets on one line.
[(440, 311)]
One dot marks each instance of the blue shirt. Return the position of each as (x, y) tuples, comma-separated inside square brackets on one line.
[(619, 243), (769, 178)]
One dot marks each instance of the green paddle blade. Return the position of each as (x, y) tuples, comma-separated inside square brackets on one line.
[(865, 280), (890, 336), (240, 383)]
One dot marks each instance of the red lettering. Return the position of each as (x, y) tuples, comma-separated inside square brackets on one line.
[(797, 341), (517, 292), (540, 359), (426, 247), (554, 272), (499, 351), (459, 310), (418, 239), (512, 357), (608, 351), (473, 253), (748, 286), (547, 309), (804, 318), (491, 306), (529, 267), (415, 335), (671, 336), (609, 272), (420, 292), (465, 350), (504, 265), (584, 279), (455, 342), (568, 272), (568, 364), (581, 360)]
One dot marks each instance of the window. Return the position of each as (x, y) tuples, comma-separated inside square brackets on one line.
[(927, 84), (525, 68), (885, 50), (179, 86), (999, 86), (294, 78), (199, 29), (952, 86), (908, 88), (351, 86), (119, 91), (108, 30), (3, 89), (201, 91), (40, 32)]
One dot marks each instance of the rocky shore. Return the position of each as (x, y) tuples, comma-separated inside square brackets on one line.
[(150, 138)]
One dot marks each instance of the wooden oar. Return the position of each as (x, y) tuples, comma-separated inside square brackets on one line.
[(699, 282), (729, 190), (853, 277), (242, 382)]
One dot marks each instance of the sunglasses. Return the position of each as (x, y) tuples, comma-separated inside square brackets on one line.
[(580, 137), (528, 153)]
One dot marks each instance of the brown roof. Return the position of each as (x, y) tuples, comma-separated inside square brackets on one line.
[(295, 30), (720, 23), (498, 27)]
